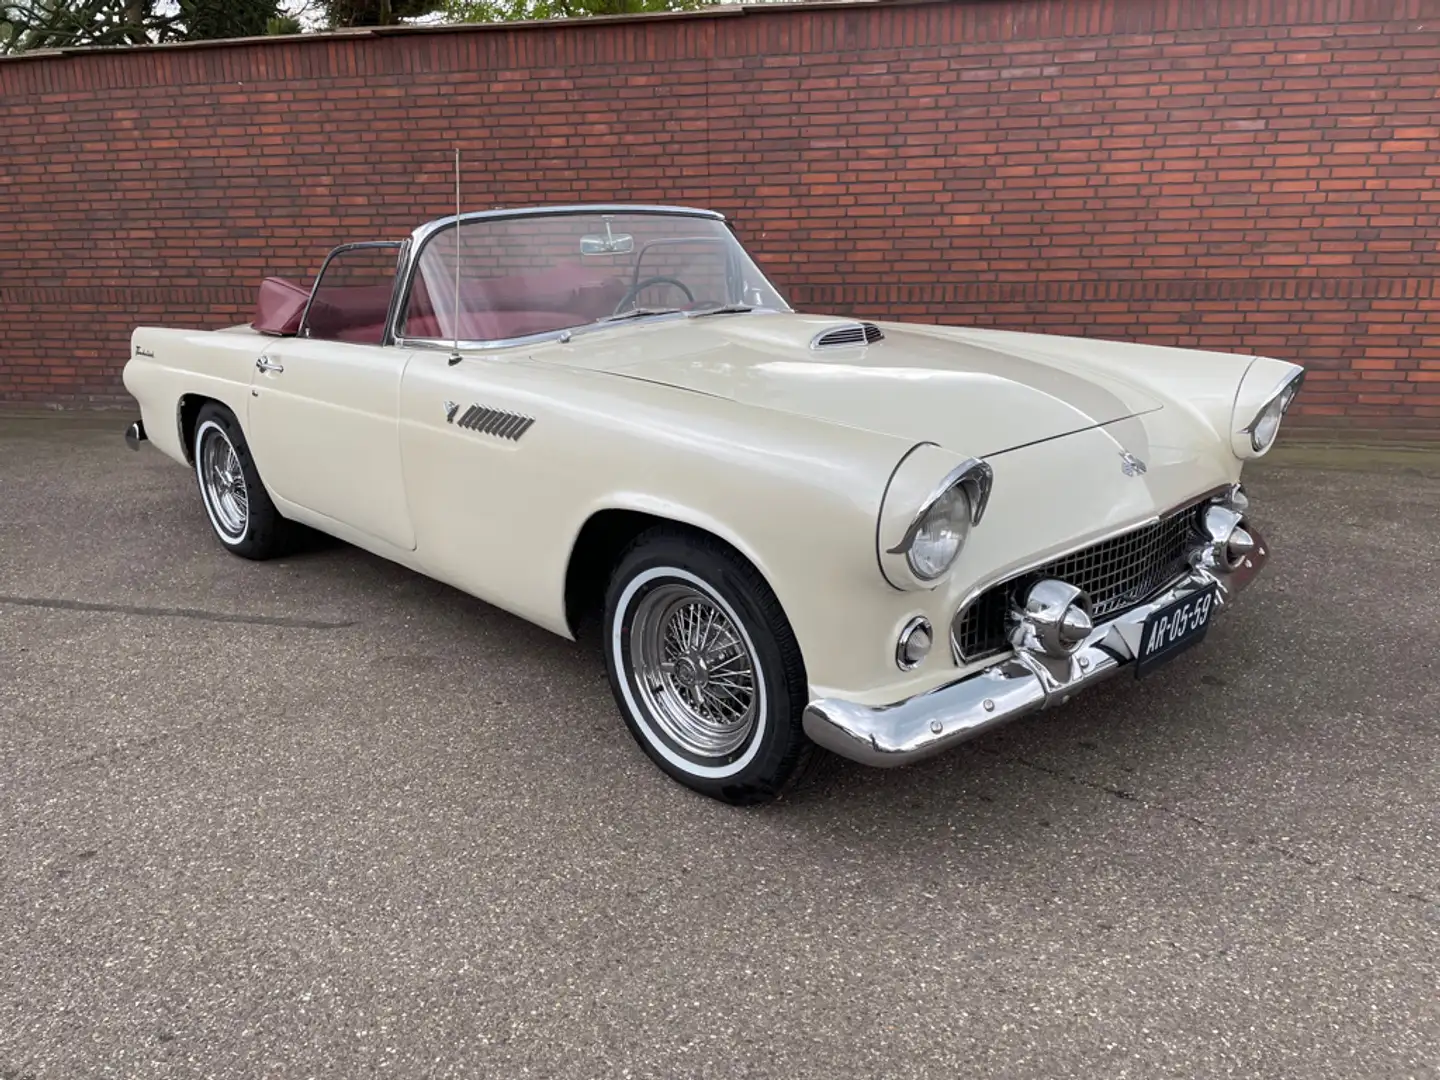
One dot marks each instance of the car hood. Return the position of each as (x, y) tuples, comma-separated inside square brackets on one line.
[(960, 389)]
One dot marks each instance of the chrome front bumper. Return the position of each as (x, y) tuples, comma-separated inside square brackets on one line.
[(1025, 682)]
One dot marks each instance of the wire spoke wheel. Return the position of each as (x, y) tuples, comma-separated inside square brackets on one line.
[(705, 667), (241, 514), (695, 673), (222, 481)]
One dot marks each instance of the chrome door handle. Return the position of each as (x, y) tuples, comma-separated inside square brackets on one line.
[(266, 364)]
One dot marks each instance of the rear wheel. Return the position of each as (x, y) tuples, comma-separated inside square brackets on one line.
[(239, 508), (705, 668)]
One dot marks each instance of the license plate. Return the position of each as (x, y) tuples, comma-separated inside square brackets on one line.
[(1174, 628)]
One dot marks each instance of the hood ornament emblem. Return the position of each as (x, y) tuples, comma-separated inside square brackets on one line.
[(450, 410), (1131, 465)]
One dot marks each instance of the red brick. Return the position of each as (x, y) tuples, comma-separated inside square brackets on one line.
[(1264, 184)]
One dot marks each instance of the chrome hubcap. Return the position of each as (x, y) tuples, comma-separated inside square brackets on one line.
[(694, 672), (224, 483)]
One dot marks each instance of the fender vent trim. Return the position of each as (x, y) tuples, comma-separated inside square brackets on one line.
[(497, 422), (848, 335)]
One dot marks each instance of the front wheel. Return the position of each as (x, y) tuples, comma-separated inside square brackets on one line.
[(705, 668)]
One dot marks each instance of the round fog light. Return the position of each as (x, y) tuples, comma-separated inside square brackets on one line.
[(914, 643)]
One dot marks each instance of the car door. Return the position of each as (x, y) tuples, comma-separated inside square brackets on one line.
[(478, 442), (323, 420)]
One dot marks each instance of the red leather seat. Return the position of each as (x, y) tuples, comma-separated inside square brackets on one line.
[(279, 307), (493, 325), (493, 309), (350, 313), (362, 334)]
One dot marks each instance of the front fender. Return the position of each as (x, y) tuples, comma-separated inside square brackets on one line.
[(680, 513)]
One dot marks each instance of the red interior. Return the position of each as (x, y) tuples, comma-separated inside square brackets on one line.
[(490, 309), (522, 304), (350, 313), (279, 307)]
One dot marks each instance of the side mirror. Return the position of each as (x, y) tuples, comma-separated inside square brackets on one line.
[(620, 244)]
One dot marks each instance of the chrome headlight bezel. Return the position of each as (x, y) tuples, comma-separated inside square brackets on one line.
[(1260, 433), (961, 497)]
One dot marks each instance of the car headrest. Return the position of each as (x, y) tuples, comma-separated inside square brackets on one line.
[(279, 307)]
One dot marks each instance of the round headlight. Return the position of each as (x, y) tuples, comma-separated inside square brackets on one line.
[(1267, 424), (923, 525), (941, 535)]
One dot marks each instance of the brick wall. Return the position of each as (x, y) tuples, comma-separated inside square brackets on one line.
[(1252, 175)]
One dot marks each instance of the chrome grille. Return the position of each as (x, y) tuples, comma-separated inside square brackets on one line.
[(860, 333), (1117, 574)]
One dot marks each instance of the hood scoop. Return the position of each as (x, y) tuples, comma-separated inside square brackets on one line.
[(847, 336)]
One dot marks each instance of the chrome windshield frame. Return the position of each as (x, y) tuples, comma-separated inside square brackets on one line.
[(422, 235)]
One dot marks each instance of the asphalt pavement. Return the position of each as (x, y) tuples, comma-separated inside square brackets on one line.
[(322, 817)]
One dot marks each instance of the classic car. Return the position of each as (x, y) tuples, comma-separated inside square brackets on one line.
[(797, 531)]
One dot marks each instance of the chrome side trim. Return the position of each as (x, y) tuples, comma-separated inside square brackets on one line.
[(930, 723), (497, 422)]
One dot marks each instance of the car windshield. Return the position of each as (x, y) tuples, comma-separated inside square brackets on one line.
[(543, 273)]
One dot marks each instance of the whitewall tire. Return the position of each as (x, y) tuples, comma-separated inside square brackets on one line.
[(239, 508), (704, 667)]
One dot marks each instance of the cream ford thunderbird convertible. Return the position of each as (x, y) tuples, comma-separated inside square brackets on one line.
[(797, 530)]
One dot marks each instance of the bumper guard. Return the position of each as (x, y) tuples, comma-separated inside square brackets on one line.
[(933, 722)]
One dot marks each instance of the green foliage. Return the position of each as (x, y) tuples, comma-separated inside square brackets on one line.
[(516, 10), (55, 24), (203, 20), (340, 13), (51, 24)]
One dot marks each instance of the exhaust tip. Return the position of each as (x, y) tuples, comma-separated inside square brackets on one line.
[(135, 435)]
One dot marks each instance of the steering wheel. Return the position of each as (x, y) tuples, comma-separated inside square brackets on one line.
[(640, 286)]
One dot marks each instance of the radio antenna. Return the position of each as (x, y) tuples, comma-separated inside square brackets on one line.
[(455, 324)]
